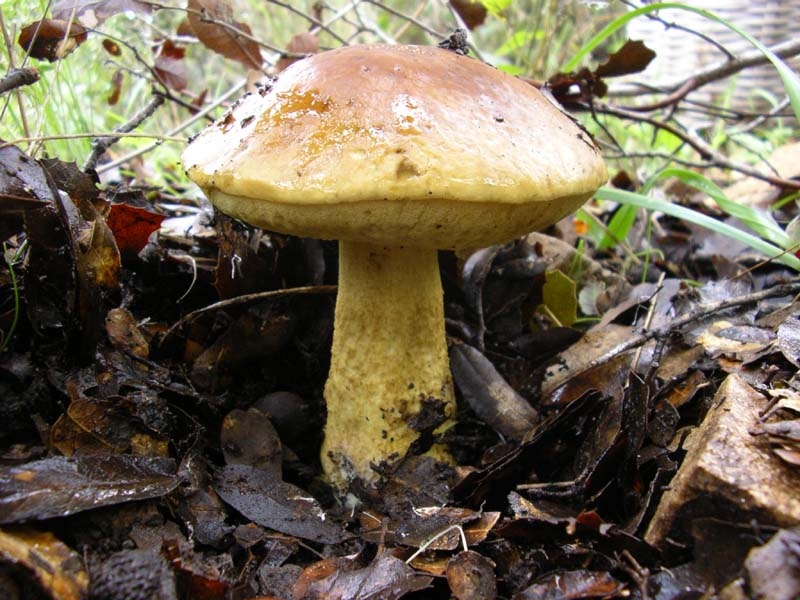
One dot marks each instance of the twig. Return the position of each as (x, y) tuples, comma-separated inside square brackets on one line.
[(316, 23), (93, 134), (17, 78), (101, 144), (792, 288), (678, 90), (235, 89), (705, 151)]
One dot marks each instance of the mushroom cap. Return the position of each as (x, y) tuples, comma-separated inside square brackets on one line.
[(400, 145)]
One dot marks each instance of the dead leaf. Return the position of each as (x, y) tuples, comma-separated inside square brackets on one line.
[(60, 486), (302, 43), (472, 12), (169, 67), (471, 576), (132, 227), (248, 438), (633, 57), (489, 395), (116, 87), (51, 39), (112, 47), (771, 569), (386, 578), (573, 585), (270, 502), (123, 331), (213, 23)]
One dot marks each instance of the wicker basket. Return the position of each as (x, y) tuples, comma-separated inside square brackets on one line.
[(680, 53)]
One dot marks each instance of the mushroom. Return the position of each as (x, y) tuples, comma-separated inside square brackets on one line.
[(395, 151)]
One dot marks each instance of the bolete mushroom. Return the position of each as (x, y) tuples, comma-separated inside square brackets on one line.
[(395, 151)]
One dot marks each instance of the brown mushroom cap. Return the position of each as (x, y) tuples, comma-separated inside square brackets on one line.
[(399, 145)]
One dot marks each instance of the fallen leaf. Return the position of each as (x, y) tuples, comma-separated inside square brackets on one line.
[(386, 578), (132, 227), (273, 503), (60, 486)]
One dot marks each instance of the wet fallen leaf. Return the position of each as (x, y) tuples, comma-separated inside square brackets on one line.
[(124, 333), (133, 575), (386, 578), (573, 585), (489, 395), (771, 569), (471, 577), (132, 226), (248, 438), (273, 503), (59, 486)]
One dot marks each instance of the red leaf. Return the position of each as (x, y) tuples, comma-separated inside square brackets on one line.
[(472, 12), (132, 226), (51, 39), (302, 43), (112, 47), (116, 87), (169, 66), (633, 57)]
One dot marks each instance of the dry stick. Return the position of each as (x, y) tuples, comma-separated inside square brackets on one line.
[(100, 145), (199, 115), (678, 90), (706, 152), (17, 78), (703, 311), (317, 24), (9, 44)]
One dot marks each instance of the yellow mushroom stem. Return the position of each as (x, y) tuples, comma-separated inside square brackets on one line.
[(390, 378)]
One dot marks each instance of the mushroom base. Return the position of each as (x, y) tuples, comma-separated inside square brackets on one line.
[(389, 384)]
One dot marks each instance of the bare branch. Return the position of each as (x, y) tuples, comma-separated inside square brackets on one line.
[(17, 78)]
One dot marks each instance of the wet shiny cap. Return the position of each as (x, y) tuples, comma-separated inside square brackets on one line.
[(405, 145)]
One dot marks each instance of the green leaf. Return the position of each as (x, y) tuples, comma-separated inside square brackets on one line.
[(559, 298), (681, 212), (618, 227), (496, 7)]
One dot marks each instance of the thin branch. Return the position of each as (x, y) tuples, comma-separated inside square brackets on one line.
[(678, 90), (791, 288), (16, 78), (101, 144), (705, 151)]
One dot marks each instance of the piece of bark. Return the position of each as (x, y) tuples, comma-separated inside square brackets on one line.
[(728, 472)]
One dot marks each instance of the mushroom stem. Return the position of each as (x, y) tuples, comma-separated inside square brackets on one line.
[(390, 380)]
